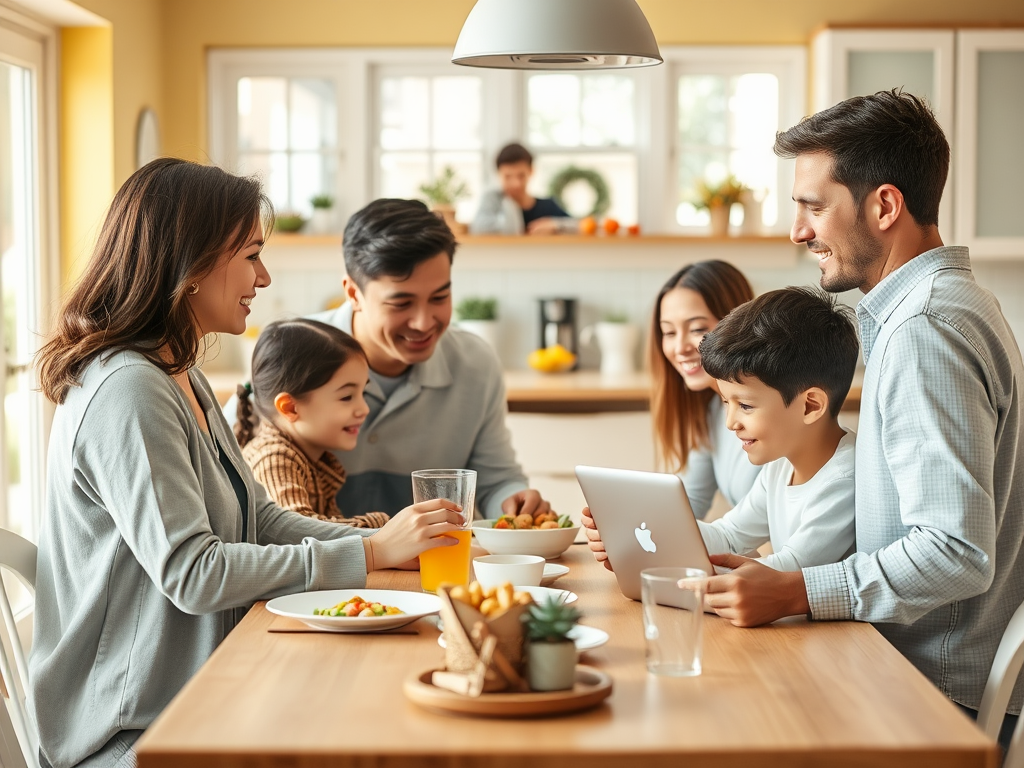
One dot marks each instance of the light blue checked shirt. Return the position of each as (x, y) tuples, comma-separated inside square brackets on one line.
[(940, 476)]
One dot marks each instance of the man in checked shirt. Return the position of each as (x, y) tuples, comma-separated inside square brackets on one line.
[(940, 447)]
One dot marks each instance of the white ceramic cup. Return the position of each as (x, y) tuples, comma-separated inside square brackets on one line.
[(518, 570)]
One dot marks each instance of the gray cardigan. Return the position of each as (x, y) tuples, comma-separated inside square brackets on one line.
[(142, 568)]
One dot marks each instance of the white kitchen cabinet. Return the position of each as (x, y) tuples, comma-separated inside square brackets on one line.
[(859, 62), (989, 156), (972, 79)]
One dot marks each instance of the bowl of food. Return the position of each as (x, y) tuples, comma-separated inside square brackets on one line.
[(548, 535)]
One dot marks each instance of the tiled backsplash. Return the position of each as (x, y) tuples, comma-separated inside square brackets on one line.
[(306, 278)]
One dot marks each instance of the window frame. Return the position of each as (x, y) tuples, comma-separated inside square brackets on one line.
[(504, 111), (787, 63)]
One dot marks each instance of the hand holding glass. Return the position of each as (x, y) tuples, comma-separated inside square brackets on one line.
[(673, 608), (446, 565)]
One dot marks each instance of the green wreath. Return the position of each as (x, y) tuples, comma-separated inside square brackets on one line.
[(571, 173)]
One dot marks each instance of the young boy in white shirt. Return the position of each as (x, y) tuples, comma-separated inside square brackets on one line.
[(784, 363)]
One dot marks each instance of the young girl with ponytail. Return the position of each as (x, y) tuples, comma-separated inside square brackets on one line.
[(305, 401)]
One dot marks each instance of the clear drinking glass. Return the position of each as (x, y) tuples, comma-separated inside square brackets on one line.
[(673, 608), (446, 565)]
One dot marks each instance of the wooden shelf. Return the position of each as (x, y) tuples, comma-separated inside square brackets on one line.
[(293, 239)]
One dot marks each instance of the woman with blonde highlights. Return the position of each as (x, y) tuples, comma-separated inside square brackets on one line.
[(689, 420), (156, 538)]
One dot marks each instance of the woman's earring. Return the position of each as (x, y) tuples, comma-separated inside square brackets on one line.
[(194, 289)]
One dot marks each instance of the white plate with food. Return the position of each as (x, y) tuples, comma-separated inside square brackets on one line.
[(328, 609), (548, 543), (552, 571)]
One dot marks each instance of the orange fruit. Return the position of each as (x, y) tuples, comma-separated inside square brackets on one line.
[(588, 225), (633, 229), (611, 226)]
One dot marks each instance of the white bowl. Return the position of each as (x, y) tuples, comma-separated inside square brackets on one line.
[(545, 542), (495, 570)]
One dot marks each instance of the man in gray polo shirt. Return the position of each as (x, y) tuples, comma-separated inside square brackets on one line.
[(940, 451), (436, 394)]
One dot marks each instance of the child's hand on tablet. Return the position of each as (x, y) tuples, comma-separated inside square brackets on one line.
[(594, 539)]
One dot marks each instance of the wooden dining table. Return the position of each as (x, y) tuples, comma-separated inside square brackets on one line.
[(794, 694)]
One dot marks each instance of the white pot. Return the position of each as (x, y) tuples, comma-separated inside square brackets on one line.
[(322, 221), (719, 220), (617, 342), (752, 224), (550, 666), (485, 329)]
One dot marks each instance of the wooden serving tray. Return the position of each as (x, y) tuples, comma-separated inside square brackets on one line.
[(592, 687)]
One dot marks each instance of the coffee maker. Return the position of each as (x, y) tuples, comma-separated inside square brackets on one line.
[(558, 323)]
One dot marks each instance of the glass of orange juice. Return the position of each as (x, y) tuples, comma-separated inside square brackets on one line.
[(446, 565)]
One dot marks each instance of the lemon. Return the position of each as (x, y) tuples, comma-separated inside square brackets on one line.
[(551, 359)]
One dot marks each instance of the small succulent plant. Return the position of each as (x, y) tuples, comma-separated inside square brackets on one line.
[(473, 308), (322, 201), (550, 621)]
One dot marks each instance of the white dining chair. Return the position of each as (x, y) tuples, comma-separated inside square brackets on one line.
[(18, 741), (1001, 680)]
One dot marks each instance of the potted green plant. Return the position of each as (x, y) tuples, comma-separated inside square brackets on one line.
[(479, 316), (718, 198), (443, 193), (550, 652), (322, 221), (287, 221)]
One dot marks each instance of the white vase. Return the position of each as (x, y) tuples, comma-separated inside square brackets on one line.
[(485, 329), (617, 342), (550, 666), (719, 220), (752, 224), (322, 221)]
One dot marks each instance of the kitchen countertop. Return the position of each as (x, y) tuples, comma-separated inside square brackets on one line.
[(573, 392)]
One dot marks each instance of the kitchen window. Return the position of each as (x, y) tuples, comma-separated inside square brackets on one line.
[(589, 121), (380, 122), (287, 133), (727, 112), (428, 122)]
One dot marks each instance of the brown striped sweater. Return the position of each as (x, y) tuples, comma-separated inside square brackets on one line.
[(298, 484)]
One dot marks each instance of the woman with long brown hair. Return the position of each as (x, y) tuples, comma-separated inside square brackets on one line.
[(689, 420), (156, 538)]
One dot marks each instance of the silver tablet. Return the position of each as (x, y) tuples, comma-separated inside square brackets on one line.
[(645, 521)]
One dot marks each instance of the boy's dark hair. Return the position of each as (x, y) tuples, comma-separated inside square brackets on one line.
[(890, 137), (389, 237), (513, 153), (791, 340), (293, 356)]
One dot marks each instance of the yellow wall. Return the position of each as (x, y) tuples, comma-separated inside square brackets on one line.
[(86, 140), (192, 26), (138, 75)]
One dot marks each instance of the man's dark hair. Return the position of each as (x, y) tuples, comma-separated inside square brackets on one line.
[(791, 340), (514, 153), (890, 137), (389, 237)]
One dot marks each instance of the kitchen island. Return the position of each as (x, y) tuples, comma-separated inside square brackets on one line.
[(790, 695)]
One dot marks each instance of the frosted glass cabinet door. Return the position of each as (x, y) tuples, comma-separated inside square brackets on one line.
[(990, 156), (858, 62)]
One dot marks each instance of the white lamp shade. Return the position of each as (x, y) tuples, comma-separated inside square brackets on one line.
[(556, 34)]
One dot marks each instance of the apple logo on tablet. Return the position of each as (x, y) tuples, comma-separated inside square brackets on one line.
[(644, 537)]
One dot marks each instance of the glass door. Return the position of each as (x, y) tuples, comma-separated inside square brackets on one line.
[(22, 419)]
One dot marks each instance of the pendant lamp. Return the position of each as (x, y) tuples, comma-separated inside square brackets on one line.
[(556, 34)]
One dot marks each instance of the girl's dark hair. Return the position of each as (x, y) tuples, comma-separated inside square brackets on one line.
[(890, 137), (167, 226), (680, 414), (791, 340), (293, 356)]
